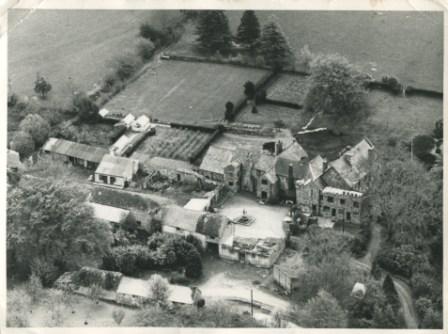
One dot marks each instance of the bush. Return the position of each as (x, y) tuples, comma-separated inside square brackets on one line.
[(397, 260), (422, 285), (360, 242), (178, 278), (156, 36), (23, 143), (86, 109), (126, 66), (37, 127), (392, 84), (145, 49), (422, 305), (195, 242)]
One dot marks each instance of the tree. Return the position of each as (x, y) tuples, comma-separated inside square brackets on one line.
[(95, 293), (228, 115), (248, 31), (23, 143), (37, 127), (118, 316), (159, 288), (274, 47), (322, 311), (336, 89), (42, 87), (391, 292), (213, 32), (51, 224), (86, 109), (126, 66), (249, 90), (438, 129), (145, 49)]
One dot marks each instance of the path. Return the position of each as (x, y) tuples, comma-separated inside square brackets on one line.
[(403, 290)]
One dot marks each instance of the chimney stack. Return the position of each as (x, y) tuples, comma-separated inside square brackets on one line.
[(278, 147)]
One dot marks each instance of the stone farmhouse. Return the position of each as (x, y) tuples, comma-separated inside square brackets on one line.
[(333, 190)]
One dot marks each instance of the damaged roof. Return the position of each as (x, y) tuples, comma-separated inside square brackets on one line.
[(211, 225), (353, 165)]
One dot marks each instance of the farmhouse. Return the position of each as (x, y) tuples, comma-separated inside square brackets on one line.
[(335, 191), (116, 171), (78, 154)]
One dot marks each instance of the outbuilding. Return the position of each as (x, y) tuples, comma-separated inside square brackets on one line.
[(116, 171)]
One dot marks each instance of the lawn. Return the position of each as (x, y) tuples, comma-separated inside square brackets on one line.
[(269, 115), (73, 49), (289, 88), (180, 144), (185, 91)]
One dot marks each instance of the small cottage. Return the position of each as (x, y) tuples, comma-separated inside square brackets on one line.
[(116, 171)]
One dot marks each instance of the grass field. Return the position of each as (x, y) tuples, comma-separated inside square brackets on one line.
[(289, 88), (269, 115), (73, 49), (408, 45), (185, 91), (180, 144)]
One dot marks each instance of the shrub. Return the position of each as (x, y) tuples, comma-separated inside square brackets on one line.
[(145, 49), (178, 278), (422, 285), (397, 260), (34, 288), (392, 84), (229, 115), (112, 280), (422, 305), (159, 289), (23, 143), (156, 36), (360, 242), (110, 82), (86, 109), (126, 66), (195, 242), (279, 124), (42, 87)]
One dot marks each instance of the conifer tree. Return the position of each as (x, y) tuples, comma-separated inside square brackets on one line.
[(274, 47), (249, 29), (213, 32)]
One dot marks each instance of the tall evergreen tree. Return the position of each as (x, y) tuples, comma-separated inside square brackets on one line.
[(274, 47), (213, 32), (249, 29)]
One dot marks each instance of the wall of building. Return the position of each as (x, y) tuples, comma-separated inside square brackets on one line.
[(232, 175), (271, 190), (307, 195), (341, 207), (117, 182), (282, 279), (227, 253)]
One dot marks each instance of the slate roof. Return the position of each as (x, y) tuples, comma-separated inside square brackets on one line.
[(353, 165), (178, 217), (75, 150), (292, 155), (316, 168), (216, 159), (117, 166), (265, 163)]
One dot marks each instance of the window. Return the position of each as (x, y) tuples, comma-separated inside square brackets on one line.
[(103, 178), (356, 204), (341, 211), (264, 181), (230, 183), (321, 197), (330, 199), (349, 216), (112, 179), (342, 201), (326, 208)]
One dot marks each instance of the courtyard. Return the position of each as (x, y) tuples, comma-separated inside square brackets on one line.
[(268, 218)]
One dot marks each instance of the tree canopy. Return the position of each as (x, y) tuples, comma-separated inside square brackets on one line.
[(248, 31), (50, 230), (274, 47), (336, 89), (322, 311), (37, 127), (23, 143), (86, 109), (42, 87), (213, 32)]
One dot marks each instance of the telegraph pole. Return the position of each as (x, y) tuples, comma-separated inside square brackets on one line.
[(252, 302)]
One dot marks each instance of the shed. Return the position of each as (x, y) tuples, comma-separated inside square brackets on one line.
[(116, 171), (79, 154)]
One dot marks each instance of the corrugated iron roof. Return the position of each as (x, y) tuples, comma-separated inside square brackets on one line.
[(109, 213), (75, 150)]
